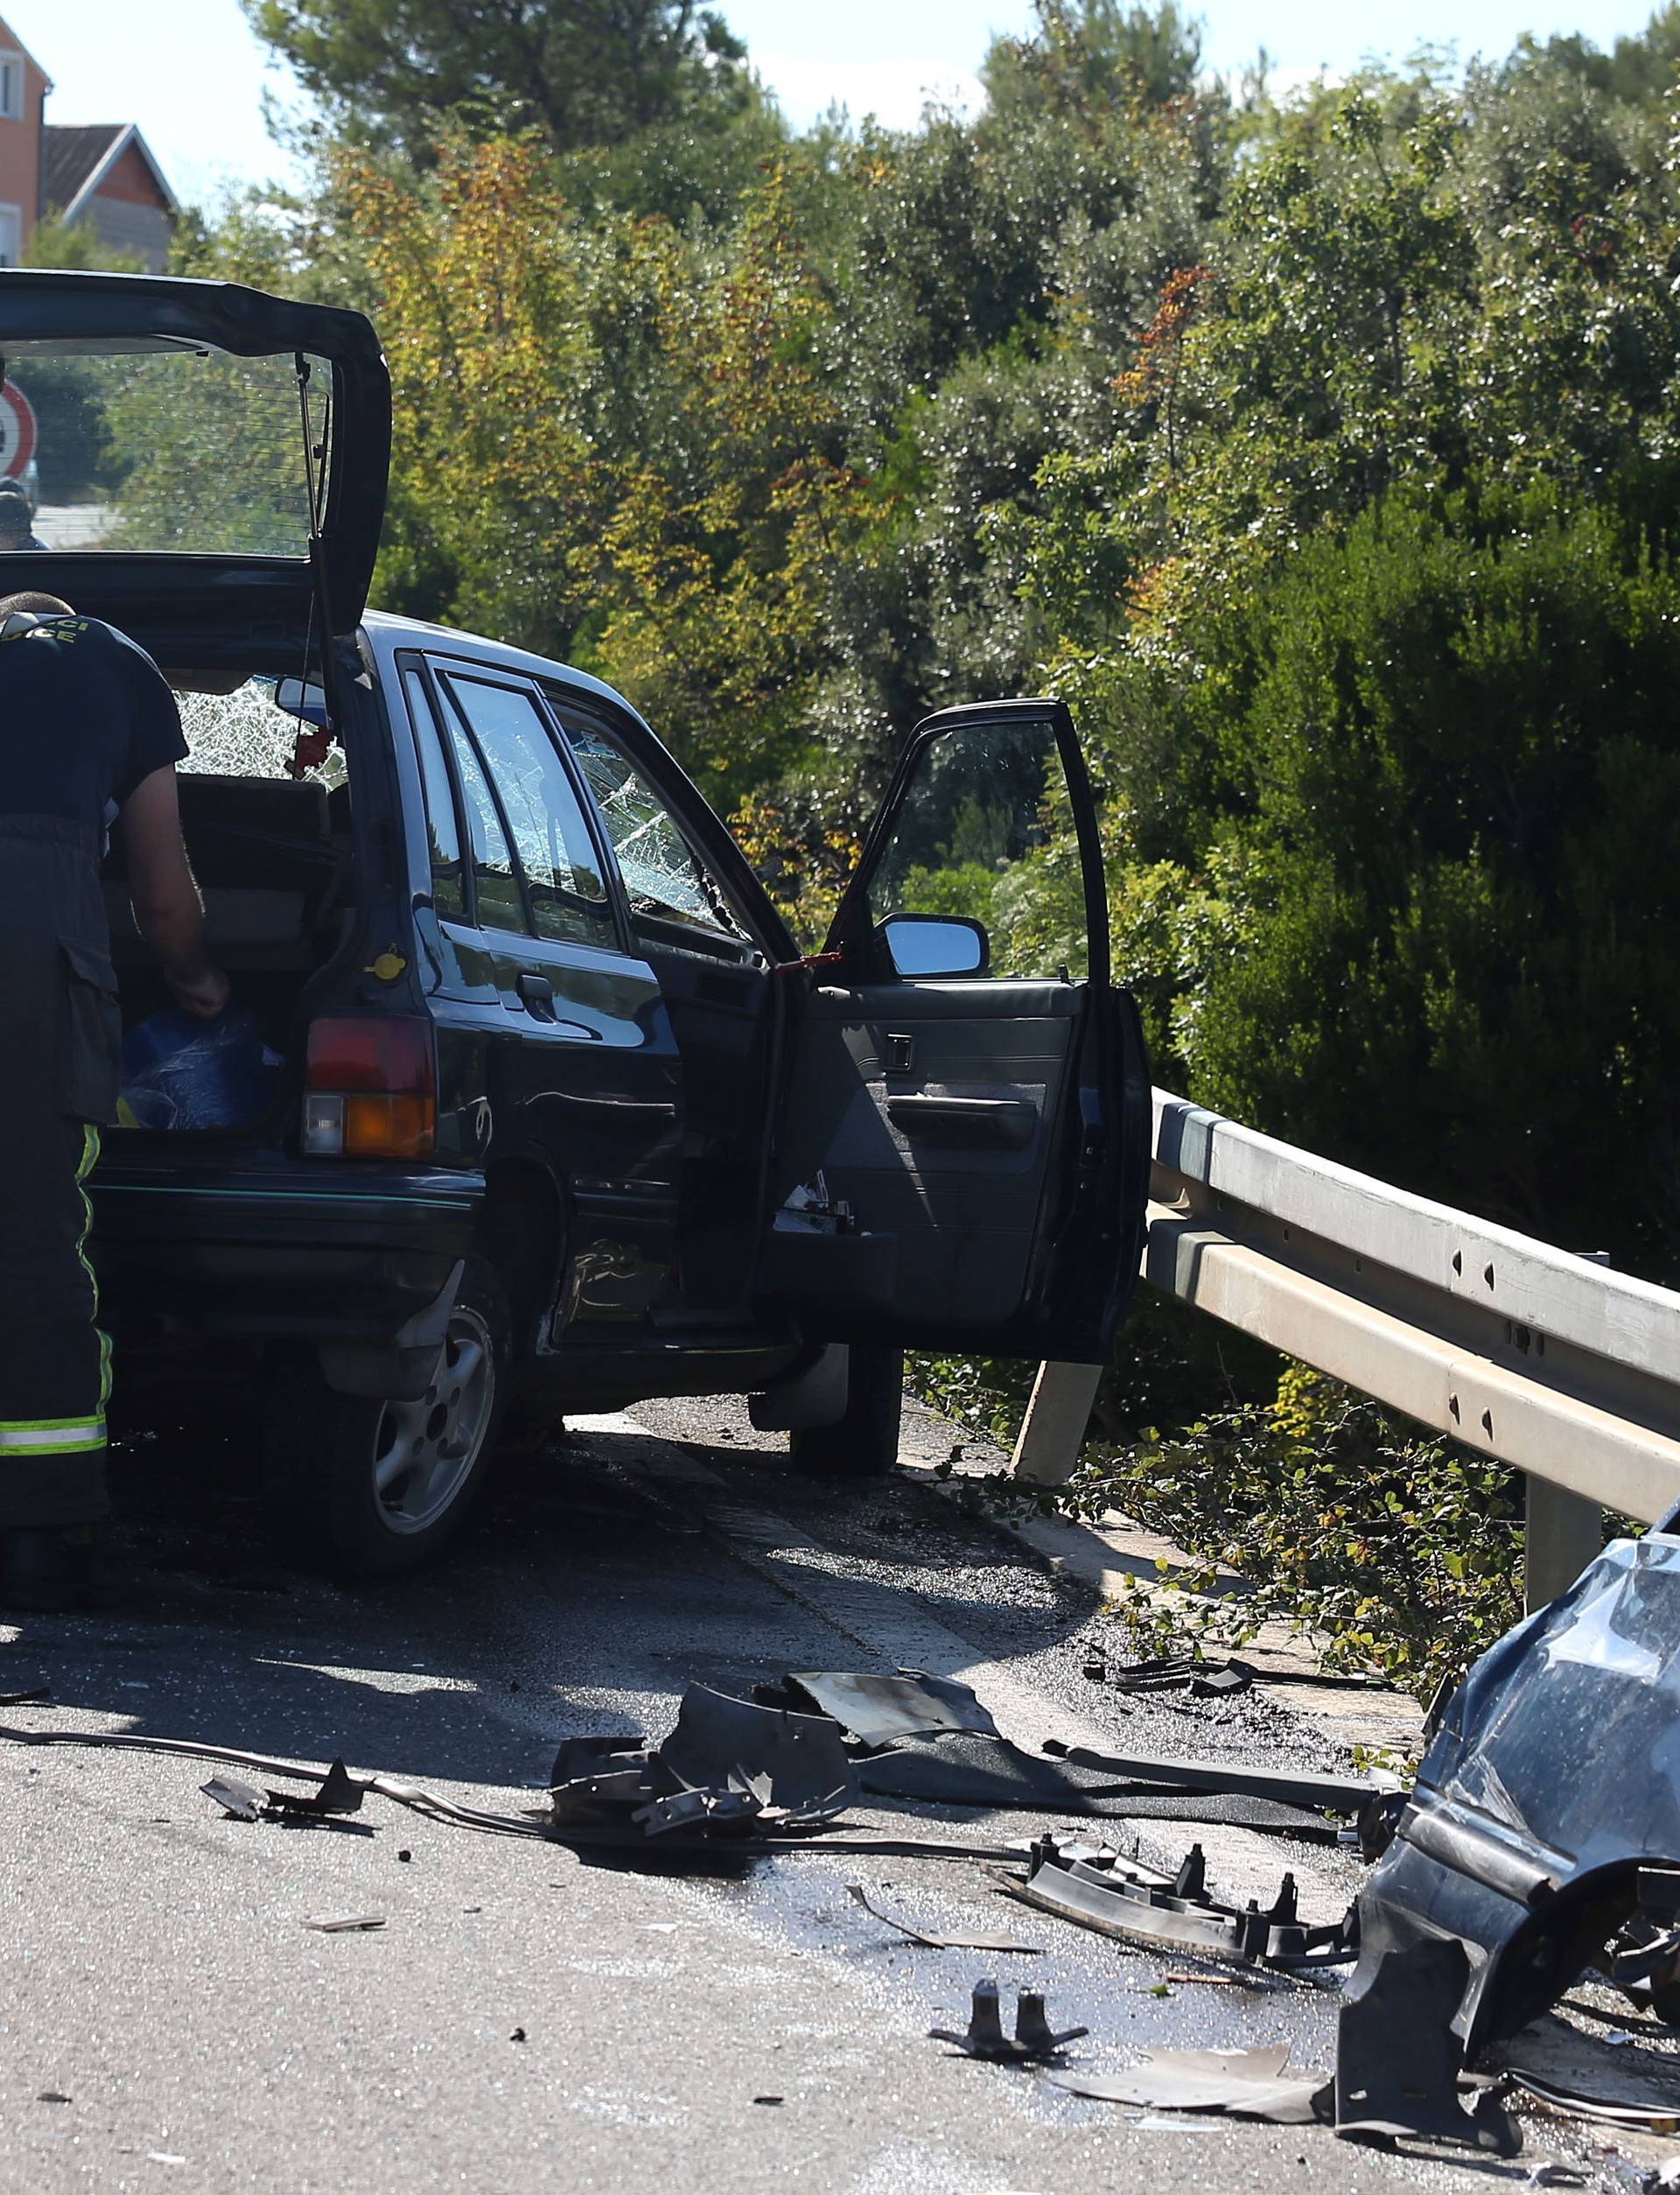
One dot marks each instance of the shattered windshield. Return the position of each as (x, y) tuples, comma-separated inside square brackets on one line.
[(157, 445)]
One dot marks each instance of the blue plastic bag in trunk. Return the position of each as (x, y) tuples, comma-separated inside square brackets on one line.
[(181, 1072)]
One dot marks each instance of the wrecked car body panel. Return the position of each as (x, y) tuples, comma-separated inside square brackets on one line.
[(1551, 1792)]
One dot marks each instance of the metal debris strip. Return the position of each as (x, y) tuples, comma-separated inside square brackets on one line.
[(1126, 1902), (345, 1923), (1251, 2084), (877, 1710), (942, 1943), (1032, 2041)]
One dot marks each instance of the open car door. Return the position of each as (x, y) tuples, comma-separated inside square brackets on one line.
[(962, 1156)]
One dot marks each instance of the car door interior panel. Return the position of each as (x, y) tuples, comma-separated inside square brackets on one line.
[(935, 1166), (962, 1146)]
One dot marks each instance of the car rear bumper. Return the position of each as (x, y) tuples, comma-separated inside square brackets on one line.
[(267, 1247)]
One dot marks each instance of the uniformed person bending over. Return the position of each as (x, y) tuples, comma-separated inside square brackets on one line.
[(90, 733)]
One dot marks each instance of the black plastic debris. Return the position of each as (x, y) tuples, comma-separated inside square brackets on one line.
[(984, 2037), (1250, 2084), (729, 1765), (1398, 2061), (942, 1943), (1184, 1673), (594, 1776), (963, 1769), (793, 1764), (1137, 1906), (877, 1710), (1334, 1794), (340, 1793), (23, 1699), (337, 1793)]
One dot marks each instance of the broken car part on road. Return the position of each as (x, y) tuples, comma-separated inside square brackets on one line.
[(728, 1763), (1177, 1672), (1032, 2041), (340, 1793), (964, 1769), (1252, 2084), (1543, 1837), (1126, 1902), (876, 1711), (1545, 1820), (1351, 1795)]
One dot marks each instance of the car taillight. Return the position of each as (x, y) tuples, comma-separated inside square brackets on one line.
[(369, 1088)]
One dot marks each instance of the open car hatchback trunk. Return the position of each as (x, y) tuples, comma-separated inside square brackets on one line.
[(207, 464)]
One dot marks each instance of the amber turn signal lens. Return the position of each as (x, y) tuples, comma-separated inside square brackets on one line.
[(389, 1127)]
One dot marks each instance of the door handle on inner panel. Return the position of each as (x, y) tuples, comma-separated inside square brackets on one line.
[(1009, 1122)]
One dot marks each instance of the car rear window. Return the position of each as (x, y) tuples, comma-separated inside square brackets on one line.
[(246, 733), (134, 445)]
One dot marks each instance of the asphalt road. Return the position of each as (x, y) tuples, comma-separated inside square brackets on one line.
[(526, 2019)]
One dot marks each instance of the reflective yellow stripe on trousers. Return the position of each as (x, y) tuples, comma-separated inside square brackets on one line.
[(69, 1436)]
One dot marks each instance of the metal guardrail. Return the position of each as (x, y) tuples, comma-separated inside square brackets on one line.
[(1545, 1359)]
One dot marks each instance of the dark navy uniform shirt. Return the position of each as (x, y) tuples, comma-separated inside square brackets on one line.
[(85, 715)]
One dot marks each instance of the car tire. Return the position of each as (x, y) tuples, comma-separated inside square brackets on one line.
[(370, 1488), (864, 1444)]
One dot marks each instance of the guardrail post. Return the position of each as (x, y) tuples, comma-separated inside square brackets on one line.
[(1562, 1534), (1055, 1422)]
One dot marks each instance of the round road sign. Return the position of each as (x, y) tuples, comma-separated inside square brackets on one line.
[(17, 431)]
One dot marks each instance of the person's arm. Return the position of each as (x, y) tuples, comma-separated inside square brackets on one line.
[(167, 910)]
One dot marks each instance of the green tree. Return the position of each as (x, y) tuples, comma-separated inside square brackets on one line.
[(585, 72)]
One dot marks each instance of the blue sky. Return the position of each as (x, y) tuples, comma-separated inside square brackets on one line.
[(190, 75)]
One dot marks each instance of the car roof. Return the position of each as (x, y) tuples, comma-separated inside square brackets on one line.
[(389, 632)]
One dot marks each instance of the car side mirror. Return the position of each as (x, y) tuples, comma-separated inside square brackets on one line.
[(935, 945)]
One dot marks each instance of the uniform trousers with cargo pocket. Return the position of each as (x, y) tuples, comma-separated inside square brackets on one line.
[(60, 1050)]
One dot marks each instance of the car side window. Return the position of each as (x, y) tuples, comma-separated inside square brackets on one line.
[(443, 832), (545, 814), (675, 899), (495, 881)]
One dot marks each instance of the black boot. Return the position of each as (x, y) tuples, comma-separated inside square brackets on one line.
[(57, 1573)]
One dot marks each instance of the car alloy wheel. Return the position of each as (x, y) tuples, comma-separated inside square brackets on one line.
[(424, 1451)]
